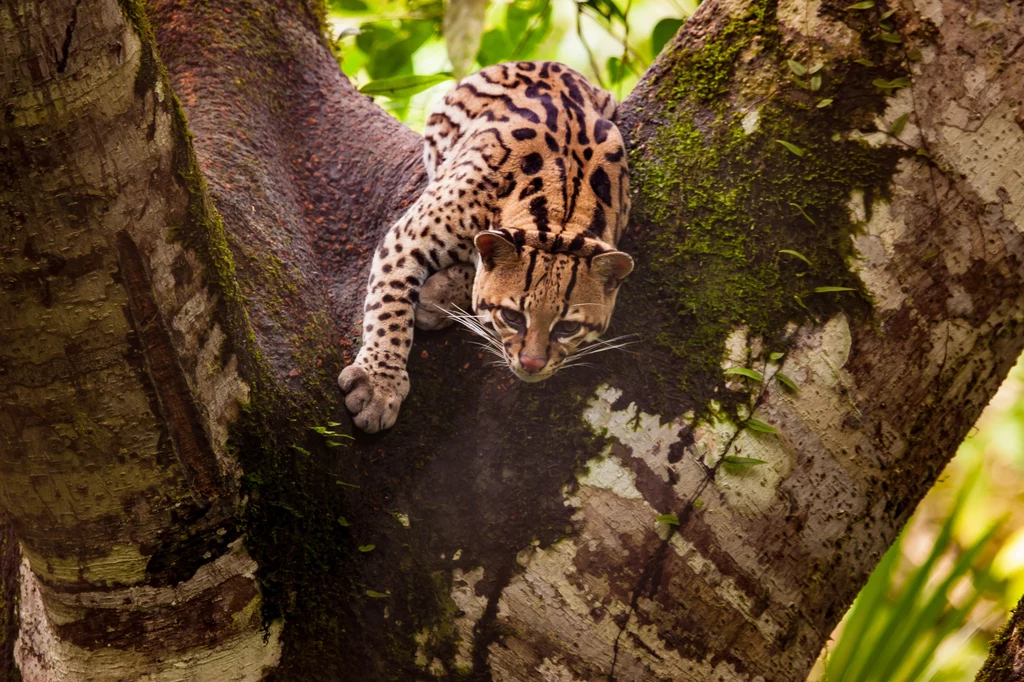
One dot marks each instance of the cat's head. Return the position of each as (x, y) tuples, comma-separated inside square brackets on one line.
[(545, 296)]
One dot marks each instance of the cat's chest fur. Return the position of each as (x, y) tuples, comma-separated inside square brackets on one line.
[(528, 195)]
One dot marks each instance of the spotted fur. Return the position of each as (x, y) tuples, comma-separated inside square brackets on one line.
[(527, 198)]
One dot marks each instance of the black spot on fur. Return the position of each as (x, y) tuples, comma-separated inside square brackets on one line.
[(602, 185), (532, 163)]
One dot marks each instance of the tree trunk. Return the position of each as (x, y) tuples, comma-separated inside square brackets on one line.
[(1006, 657), (499, 531)]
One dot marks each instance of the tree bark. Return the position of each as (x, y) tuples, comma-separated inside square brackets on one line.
[(1006, 657), (499, 531)]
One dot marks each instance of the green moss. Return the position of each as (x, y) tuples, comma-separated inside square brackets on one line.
[(721, 204)]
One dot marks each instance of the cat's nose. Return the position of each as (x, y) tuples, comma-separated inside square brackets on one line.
[(532, 365)]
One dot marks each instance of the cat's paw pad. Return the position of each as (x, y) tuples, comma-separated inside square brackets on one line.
[(373, 398)]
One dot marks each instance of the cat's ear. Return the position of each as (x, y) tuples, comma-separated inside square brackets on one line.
[(612, 267), (495, 247)]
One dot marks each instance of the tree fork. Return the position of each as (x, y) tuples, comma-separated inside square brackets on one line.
[(508, 532)]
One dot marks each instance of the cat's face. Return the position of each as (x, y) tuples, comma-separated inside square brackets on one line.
[(542, 303)]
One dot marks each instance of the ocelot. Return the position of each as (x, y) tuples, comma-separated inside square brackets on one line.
[(528, 195)]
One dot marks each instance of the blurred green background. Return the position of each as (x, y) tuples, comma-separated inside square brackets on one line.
[(397, 48), (942, 591)]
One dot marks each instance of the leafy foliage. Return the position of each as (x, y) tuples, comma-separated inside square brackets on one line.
[(399, 50)]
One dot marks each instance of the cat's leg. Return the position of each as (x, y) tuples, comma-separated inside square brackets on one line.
[(417, 246), (447, 291)]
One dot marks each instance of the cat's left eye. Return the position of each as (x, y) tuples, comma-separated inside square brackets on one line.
[(567, 328), (514, 319)]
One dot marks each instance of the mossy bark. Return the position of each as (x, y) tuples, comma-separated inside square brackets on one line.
[(509, 532), (1006, 657), (119, 381)]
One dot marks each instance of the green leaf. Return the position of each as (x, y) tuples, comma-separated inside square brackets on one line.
[(787, 382), (348, 5), (796, 67), (797, 254), (758, 425), (816, 82), (670, 519), (815, 69), (864, 62), (886, 15), (367, 548), (348, 485), (343, 522), (825, 102), (335, 444), (377, 595), (744, 372), (828, 290), (742, 461), (462, 28), (776, 356), (663, 32), (899, 124), (892, 38), (866, 4), (792, 147), (401, 87), (836, 137), (617, 69), (333, 424), (895, 83), (303, 451)]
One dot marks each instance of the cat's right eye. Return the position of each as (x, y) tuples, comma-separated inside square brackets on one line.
[(513, 319)]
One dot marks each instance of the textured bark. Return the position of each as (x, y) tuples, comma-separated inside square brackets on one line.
[(496, 553), (1006, 657), (118, 379)]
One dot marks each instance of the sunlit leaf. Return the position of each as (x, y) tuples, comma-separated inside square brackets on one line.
[(377, 595), (744, 372), (367, 548), (401, 87), (758, 425), (892, 38), (787, 382), (827, 290), (792, 147), (796, 67), (742, 461), (342, 521), (776, 356), (796, 254), (825, 102), (899, 124), (866, 4), (670, 519), (816, 82)]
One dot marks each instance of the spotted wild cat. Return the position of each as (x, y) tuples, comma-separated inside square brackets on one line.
[(528, 195)]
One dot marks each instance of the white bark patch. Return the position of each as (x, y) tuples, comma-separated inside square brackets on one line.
[(990, 158), (876, 243), (748, 490), (608, 473), (750, 121), (645, 435), (43, 656), (931, 10), (472, 605)]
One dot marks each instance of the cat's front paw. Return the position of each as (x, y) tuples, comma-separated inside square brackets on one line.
[(373, 398)]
